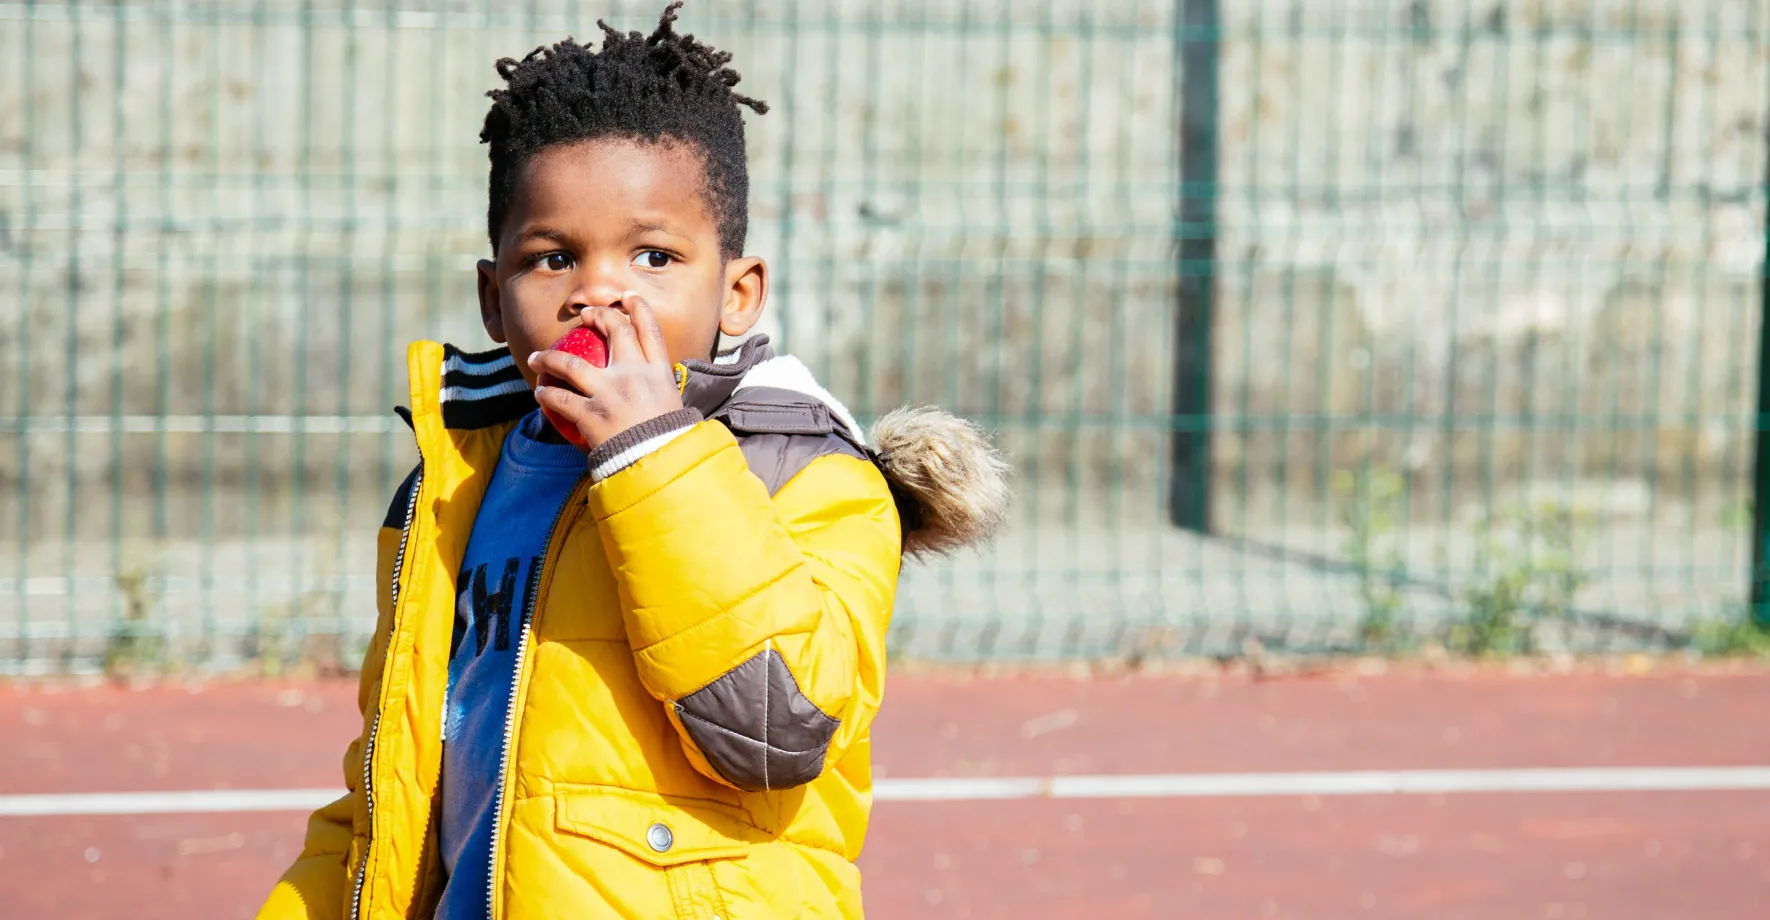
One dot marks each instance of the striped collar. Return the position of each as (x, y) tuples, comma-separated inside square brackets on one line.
[(482, 389), (486, 388)]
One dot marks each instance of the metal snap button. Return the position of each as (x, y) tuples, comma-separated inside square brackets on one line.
[(660, 838)]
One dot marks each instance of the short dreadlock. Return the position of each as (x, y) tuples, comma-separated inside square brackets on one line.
[(658, 87)]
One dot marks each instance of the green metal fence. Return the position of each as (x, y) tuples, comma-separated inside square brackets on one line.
[(1323, 325)]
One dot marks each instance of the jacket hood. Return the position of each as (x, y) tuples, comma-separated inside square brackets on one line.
[(952, 485)]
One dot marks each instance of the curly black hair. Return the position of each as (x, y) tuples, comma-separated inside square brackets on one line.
[(661, 87)]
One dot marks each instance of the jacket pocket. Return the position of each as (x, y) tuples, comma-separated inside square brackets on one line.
[(660, 830)]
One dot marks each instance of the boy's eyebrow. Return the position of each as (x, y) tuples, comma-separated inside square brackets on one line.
[(541, 233), (645, 226)]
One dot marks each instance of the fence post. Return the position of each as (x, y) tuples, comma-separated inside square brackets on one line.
[(1197, 41), (1760, 566)]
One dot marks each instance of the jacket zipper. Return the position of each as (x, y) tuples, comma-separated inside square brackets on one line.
[(399, 564), (530, 605)]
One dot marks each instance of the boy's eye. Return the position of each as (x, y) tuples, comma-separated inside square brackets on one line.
[(652, 258), (556, 261)]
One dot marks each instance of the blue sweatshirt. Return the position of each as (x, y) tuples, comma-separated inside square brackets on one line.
[(504, 552)]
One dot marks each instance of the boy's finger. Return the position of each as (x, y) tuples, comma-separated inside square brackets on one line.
[(563, 402), (645, 324), (576, 371), (617, 329)]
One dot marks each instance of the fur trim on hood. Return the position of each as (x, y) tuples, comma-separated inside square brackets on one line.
[(955, 477), (951, 484)]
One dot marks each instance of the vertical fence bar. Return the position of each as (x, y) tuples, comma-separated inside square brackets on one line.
[(164, 239), (1197, 43), (119, 240), (266, 269), (73, 284), (1760, 567), (784, 267), (21, 383), (206, 527), (1736, 476)]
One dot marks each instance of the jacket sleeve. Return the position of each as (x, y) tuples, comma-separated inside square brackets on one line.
[(316, 886), (758, 622)]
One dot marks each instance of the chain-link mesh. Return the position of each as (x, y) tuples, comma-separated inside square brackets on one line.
[(1475, 358)]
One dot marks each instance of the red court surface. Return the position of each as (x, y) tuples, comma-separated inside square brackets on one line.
[(1686, 854)]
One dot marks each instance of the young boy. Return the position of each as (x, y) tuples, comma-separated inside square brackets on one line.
[(636, 683)]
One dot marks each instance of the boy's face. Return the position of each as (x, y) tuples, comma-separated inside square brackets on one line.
[(596, 222)]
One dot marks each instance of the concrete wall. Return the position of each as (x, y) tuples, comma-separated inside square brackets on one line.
[(1498, 244)]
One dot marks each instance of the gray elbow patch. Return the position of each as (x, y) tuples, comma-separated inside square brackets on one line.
[(756, 727)]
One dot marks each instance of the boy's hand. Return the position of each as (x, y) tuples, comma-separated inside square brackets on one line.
[(638, 385)]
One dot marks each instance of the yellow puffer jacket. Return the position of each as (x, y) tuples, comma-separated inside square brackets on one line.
[(702, 658)]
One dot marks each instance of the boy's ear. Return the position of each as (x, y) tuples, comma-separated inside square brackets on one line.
[(746, 289), (491, 308)]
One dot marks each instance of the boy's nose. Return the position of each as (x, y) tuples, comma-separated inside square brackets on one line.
[(597, 292)]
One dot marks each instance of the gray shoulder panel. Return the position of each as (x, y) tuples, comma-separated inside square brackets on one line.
[(777, 458), (756, 727), (782, 431)]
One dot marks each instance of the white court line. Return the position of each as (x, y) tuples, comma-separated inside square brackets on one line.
[(1165, 785), (1369, 782), (163, 803)]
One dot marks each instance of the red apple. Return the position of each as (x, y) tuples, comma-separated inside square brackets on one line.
[(588, 344)]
